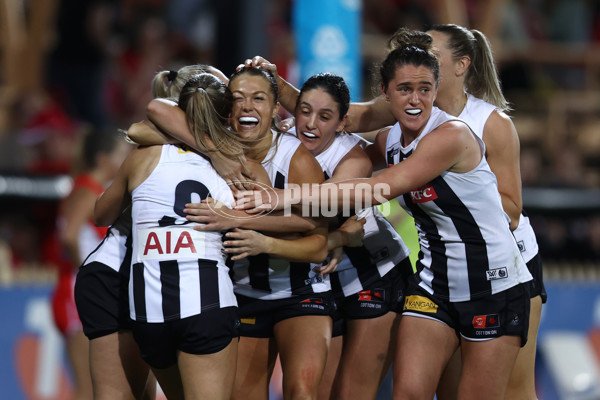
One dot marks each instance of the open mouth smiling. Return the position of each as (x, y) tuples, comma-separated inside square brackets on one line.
[(248, 122), (309, 135)]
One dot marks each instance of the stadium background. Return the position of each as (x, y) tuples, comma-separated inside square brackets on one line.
[(69, 65)]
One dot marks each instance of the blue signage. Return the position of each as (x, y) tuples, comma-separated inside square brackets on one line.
[(327, 38)]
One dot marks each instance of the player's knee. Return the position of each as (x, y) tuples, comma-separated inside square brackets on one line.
[(410, 391), (304, 386)]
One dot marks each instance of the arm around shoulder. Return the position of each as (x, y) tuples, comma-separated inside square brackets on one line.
[(370, 115), (355, 164), (304, 168)]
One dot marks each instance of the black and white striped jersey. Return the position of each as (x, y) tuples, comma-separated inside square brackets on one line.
[(467, 249), (177, 271), (115, 249), (476, 114), (270, 278), (382, 248)]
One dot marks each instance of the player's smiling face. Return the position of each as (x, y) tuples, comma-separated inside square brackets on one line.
[(317, 120), (254, 106), (411, 93)]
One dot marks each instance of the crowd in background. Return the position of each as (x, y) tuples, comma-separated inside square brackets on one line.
[(105, 52)]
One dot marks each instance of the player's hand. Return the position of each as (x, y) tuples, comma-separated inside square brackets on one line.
[(256, 201), (235, 172), (259, 62), (214, 215), (353, 229), (287, 124), (335, 256), (243, 243)]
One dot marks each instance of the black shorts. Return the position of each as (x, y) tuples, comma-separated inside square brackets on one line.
[(258, 317), (377, 299), (101, 296), (489, 317), (205, 333), (536, 285)]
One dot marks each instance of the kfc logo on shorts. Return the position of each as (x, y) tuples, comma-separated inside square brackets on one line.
[(312, 303), (486, 321), (423, 194), (370, 295), (497, 273)]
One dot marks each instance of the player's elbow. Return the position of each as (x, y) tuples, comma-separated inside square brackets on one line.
[(153, 109), (135, 133)]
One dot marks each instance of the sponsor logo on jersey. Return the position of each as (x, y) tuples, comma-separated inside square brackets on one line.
[(423, 194), (370, 295), (486, 321), (318, 278), (497, 273), (169, 242), (521, 245), (420, 303)]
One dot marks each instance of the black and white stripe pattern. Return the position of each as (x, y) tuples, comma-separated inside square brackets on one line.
[(266, 277), (176, 271), (467, 249), (382, 248)]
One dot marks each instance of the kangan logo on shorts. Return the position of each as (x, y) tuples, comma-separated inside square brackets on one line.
[(497, 273), (248, 321), (420, 303)]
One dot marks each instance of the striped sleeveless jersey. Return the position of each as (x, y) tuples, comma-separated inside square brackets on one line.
[(270, 278), (467, 249), (176, 271)]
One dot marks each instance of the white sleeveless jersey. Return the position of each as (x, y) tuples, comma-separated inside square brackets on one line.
[(382, 248), (176, 271), (270, 278), (476, 114), (341, 145), (115, 249), (467, 249)]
